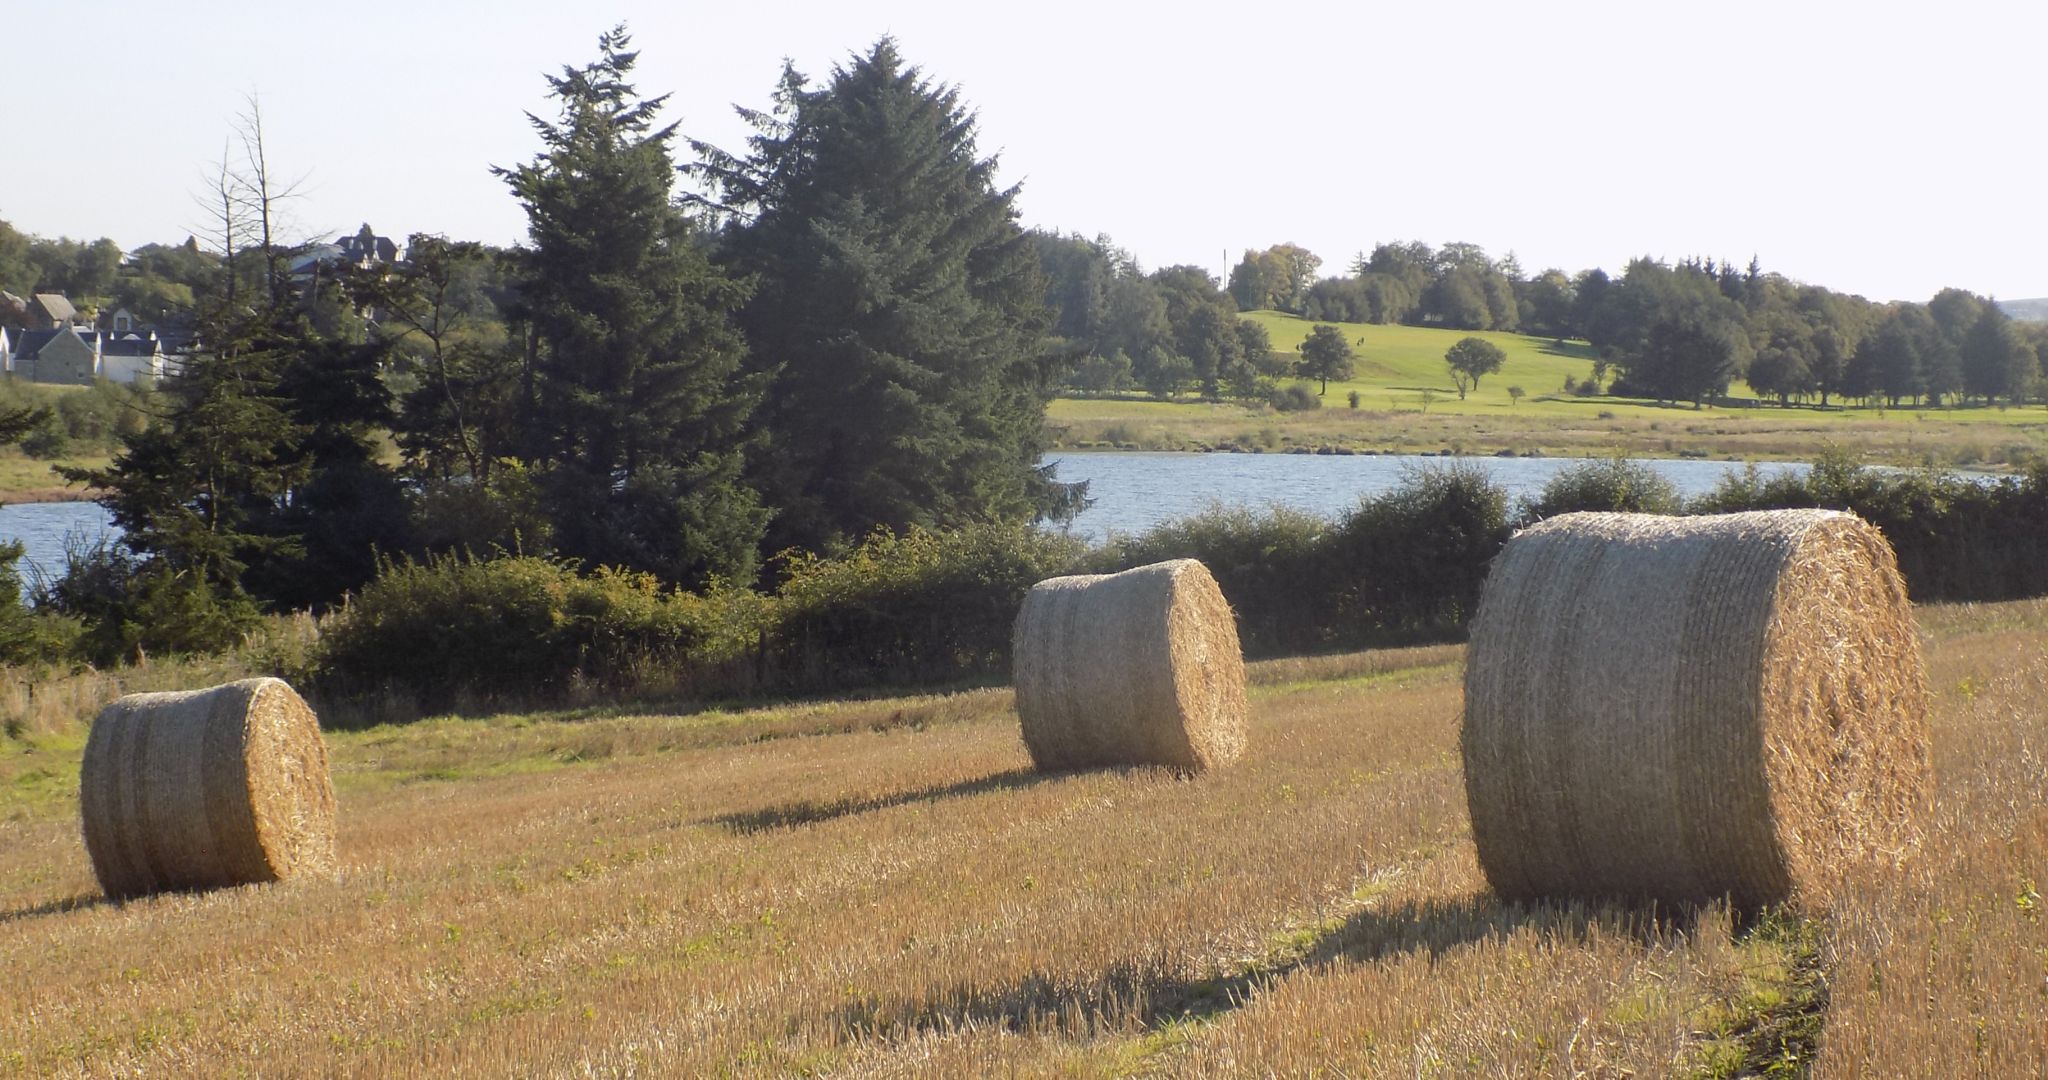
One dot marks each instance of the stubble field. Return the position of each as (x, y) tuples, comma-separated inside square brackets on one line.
[(884, 888)]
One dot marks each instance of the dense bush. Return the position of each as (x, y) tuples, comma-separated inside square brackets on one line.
[(924, 608), (1270, 564), (1613, 484), (919, 607), (1297, 397), (455, 628), (1956, 539), (124, 608), (1403, 566), (1408, 564)]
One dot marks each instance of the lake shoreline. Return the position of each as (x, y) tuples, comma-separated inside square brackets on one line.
[(50, 495), (1947, 439)]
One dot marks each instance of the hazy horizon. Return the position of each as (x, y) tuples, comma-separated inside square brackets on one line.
[(1878, 153)]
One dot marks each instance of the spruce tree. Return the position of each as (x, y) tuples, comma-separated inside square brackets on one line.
[(638, 410), (197, 495), (900, 308)]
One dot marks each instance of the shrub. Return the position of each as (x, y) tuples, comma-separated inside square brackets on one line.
[(127, 607), (1956, 539), (916, 607), (456, 627), (1295, 398), (46, 443), (1609, 484), (1352, 399), (1269, 563), (1411, 561)]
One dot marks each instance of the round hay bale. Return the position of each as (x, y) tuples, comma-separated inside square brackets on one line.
[(1137, 668), (206, 788), (1678, 710)]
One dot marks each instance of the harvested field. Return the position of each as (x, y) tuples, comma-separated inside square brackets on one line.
[(886, 888)]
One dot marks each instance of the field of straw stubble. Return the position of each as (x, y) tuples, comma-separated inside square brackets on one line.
[(884, 888)]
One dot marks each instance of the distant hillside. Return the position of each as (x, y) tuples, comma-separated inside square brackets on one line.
[(2035, 310)]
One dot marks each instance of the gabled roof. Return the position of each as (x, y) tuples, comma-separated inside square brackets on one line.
[(56, 306), (131, 345), (31, 342)]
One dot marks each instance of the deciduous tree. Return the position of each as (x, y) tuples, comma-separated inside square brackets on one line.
[(1325, 355)]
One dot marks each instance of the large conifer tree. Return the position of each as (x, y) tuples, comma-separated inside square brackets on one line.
[(899, 307), (638, 407)]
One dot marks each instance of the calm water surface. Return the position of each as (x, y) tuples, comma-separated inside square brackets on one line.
[(43, 527), (1133, 491)]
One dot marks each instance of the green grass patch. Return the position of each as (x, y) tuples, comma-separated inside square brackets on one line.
[(1771, 1024)]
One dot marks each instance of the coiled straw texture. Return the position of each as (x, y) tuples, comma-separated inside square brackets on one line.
[(1679, 710), (1137, 668), (206, 788)]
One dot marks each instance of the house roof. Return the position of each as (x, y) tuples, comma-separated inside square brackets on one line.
[(57, 306), (31, 342), (130, 345)]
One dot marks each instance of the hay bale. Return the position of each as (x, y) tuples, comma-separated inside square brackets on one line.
[(206, 788), (1137, 668), (1677, 710)]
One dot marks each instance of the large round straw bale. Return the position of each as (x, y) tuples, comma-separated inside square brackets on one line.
[(1678, 710), (206, 788), (1137, 668)]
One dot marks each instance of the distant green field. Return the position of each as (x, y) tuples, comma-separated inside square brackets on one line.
[(1396, 364)]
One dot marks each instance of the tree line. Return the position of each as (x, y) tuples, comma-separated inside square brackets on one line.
[(702, 359), (1682, 331), (699, 359)]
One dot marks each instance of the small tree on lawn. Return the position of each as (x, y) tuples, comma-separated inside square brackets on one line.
[(1469, 359), (1515, 394), (1325, 356)]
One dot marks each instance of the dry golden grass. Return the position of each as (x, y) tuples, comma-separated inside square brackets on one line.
[(884, 888)]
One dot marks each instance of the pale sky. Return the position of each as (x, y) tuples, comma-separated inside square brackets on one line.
[(1882, 148)]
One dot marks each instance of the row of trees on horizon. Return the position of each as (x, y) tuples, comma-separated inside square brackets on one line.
[(1674, 332), (704, 357)]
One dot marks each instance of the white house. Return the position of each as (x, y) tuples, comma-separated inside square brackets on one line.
[(136, 356)]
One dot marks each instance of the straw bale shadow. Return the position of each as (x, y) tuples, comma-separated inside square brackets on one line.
[(1131, 996), (80, 902), (807, 812)]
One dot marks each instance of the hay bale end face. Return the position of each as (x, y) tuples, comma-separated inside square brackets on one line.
[(1679, 710), (1137, 668), (206, 788)]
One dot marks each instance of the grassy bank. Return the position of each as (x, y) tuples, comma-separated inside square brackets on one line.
[(24, 479), (883, 887), (1407, 404)]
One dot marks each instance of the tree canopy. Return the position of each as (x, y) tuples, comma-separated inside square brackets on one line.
[(1325, 355), (899, 311), (639, 408)]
